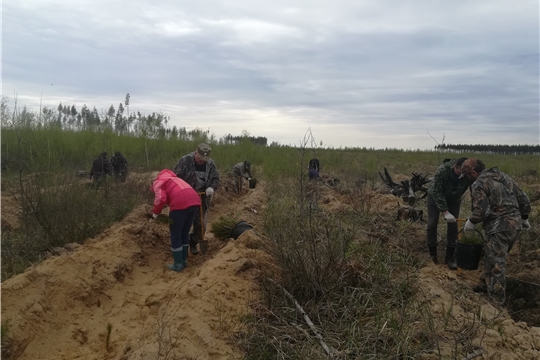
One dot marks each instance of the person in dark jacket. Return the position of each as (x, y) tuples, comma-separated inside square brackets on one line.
[(100, 168), (200, 172), (119, 167), (503, 209), (313, 169), (240, 171), (444, 197)]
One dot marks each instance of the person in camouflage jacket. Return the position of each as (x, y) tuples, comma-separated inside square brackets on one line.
[(119, 166), (503, 209), (444, 197), (200, 172), (240, 171)]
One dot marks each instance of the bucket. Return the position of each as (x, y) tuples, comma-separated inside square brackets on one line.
[(252, 183), (469, 251), (239, 229), (468, 255)]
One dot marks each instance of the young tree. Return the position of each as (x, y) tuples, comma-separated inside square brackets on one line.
[(126, 102)]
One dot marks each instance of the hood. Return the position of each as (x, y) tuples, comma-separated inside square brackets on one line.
[(163, 175)]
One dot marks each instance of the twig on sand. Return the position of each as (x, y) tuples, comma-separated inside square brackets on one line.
[(306, 318)]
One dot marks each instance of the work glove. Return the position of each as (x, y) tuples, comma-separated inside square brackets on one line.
[(469, 226), (449, 218), (525, 225), (209, 191), (155, 215)]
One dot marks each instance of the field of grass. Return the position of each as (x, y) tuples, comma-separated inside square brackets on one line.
[(338, 267)]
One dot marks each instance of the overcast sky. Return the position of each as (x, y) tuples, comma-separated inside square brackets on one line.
[(378, 73)]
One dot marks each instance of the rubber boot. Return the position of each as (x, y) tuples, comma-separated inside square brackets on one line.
[(450, 258), (178, 257), (185, 254), (433, 254)]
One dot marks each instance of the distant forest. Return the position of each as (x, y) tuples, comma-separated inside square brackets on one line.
[(156, 126), (120, 120), (491, 149)]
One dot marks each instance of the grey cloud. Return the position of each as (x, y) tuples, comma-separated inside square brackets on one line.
[(447, 64)]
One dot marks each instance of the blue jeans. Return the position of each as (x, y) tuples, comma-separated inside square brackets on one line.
[(180, 226), (433, 221)]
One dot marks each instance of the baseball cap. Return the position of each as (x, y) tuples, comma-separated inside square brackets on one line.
[(204, 151)]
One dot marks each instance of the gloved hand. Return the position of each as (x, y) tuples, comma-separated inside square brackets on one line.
[(209, 191), (155, 215), (449, 218), (469, 226), (525, 225)]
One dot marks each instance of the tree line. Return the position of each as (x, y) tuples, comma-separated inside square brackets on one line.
[(117, 120), (491, 149)]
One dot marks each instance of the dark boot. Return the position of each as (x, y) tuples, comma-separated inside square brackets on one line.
[(185, 254), (433, 254), (193, 246), (449, 259), (178, 257)]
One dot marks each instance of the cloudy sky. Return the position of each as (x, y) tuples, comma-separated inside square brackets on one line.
[(386, 73)]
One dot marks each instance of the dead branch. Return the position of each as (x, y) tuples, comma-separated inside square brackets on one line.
[(306, 318)]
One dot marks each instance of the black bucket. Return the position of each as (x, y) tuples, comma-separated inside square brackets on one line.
[(239, 229), (252, 183), (468, 255)]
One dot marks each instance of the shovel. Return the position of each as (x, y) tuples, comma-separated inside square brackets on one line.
[(203, 244)]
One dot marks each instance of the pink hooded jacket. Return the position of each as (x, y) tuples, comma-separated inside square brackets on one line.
[(173, 191)]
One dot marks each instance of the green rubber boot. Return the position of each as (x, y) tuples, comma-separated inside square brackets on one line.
[(178, 257), (185, 254)]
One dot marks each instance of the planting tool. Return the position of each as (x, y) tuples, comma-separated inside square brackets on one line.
[(202, 242)]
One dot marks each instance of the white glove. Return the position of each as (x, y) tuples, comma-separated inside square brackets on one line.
[(525, 225), (449, 218), (155, 215), (469, 226), (209, 191)]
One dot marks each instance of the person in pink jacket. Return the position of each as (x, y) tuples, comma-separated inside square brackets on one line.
[(184, 203)]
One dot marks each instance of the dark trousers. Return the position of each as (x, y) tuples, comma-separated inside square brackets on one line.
[(198, 231), (181, 221), (433, 221), (99, 180), (239, 182)]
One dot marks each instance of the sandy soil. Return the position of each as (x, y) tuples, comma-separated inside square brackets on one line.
[(114, 298)]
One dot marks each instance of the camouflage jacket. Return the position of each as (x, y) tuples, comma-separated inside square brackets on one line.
[(119, 163), (446, 187), (498, 202), (240, 170), (185, 169)]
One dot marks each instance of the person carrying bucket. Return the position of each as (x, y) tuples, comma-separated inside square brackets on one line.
[(184, 204), (503, 209), (241, 171), (200, 172)]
